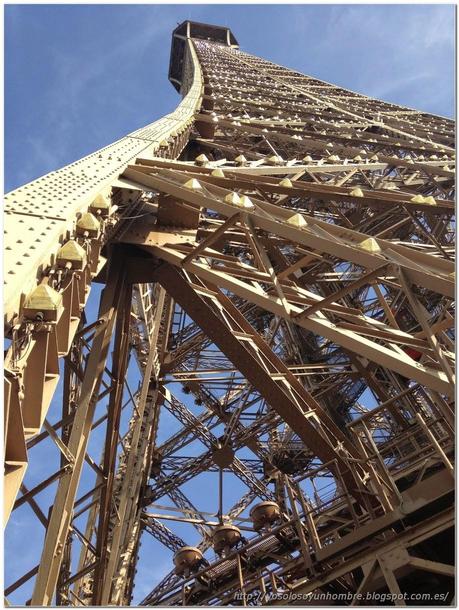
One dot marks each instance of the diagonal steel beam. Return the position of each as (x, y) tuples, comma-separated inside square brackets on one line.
[(299, 414), (396, 360)]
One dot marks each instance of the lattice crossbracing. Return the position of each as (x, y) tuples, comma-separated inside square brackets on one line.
[(263, 403)]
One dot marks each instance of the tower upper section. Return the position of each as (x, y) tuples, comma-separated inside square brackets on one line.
[(192, 29)]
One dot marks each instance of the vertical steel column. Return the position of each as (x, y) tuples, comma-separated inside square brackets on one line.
[(61, 514)]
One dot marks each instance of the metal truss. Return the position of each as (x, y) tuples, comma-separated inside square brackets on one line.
[(264, 398)]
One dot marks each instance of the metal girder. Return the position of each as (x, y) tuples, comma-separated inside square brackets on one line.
[(316, 252), (288, 398), (396, 360), (212, 442), (119, 371), (126, 508), (163, 534), (59, 521), (433, 273)]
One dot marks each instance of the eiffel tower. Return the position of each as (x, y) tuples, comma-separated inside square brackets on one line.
[(263, 396)]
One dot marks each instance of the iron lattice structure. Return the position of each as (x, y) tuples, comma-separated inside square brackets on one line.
[(276, 324)]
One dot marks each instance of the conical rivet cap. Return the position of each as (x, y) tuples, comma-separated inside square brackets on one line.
[(298, 221), (193, 185), (233, 199), (88, 223), (218, 173), (274, 160), (370, 245), (100, 205), (201, 159), (43, 300), (43, 297), (246, 203), (72, 252), (100, 201)]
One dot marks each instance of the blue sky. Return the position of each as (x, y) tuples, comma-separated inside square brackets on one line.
[(78, 77)]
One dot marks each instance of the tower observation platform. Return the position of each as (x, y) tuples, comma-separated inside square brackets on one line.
[(197, 31)]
